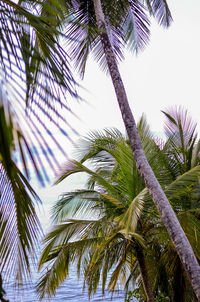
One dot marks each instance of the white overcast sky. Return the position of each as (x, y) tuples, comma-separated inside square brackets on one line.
[(166, 73)]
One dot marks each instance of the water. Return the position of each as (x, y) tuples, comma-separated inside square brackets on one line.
[(70, 290)]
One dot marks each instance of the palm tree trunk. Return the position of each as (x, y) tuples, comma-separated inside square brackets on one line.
[(167, 214), (144, 274)]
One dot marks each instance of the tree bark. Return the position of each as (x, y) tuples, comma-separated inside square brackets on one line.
[(144, 274), (167, 214)]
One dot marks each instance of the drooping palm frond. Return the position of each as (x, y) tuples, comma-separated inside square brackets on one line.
[(68, 243), (30, 50), (20, 227), (36, 80), (108, 255), (184, 184), (136, 27), (125, 22), (160, 10), (77, 167), (111, 260), (27, 141), (85, 36), (75, 204)]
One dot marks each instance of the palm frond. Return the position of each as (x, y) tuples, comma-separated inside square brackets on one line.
[(190, 225), (33, 49), (126, 22), (195, 155), (161, 11), (184, 183), (179, 123), (103, 259), (80, 203), (89, 146), (74, 166), (85, 36), (23, 139), (136, 27), (20, 227), (130, 219), (70, 242), (35, 81), (55, 275)]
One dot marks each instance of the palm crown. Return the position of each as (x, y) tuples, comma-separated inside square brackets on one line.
[(122, 224), (127, 24)]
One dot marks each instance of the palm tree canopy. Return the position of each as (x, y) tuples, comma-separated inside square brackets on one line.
[(127, 24), (95, 224)]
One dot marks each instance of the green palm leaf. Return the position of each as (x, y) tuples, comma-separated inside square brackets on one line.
[(20, 227)]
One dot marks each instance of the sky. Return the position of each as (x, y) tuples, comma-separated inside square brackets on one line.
[(166, 73)]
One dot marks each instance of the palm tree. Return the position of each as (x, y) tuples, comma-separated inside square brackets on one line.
[(125, 218), (129, 17), (180, 153), (34, 75), (111, 196)]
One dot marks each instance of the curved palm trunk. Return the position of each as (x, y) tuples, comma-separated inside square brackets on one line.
[(168, 216), (144, 274)]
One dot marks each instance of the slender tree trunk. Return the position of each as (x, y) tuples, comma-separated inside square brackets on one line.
[(167, 214), (144, 274)]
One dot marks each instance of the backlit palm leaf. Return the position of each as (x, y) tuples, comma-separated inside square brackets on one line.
[(30, 45), (35, 80), (136, 26), (20, 227), (84, 34), (160, 11)]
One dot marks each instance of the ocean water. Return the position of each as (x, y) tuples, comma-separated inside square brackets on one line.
[(70, 290)]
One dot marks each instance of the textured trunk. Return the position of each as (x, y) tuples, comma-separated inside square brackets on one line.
[(168, 216), (144, 274)]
